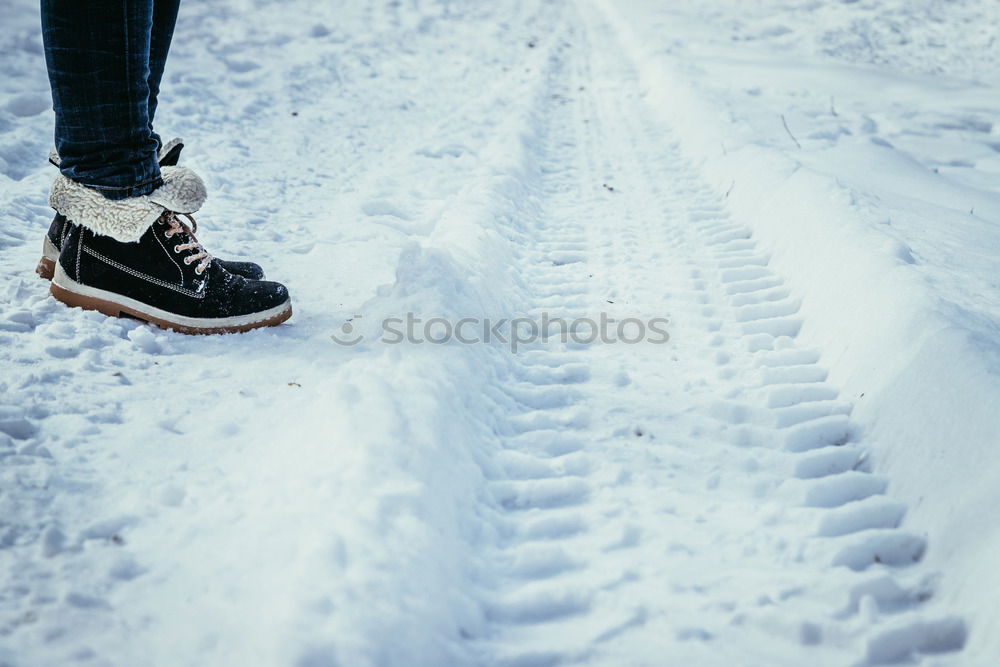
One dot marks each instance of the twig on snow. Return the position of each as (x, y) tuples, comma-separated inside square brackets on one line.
[(785, 123)]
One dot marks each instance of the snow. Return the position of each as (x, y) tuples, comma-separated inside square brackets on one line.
[(805, 191)]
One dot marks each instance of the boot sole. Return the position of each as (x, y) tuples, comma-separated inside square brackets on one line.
[(47, 264), (77, 295)]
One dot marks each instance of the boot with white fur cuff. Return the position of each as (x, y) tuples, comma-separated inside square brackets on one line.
[(60, 226), (165, 276)]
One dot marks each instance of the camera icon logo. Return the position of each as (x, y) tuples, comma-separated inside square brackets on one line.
[(346, 335)]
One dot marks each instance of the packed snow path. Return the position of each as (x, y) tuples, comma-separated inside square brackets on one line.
[(275, 498)]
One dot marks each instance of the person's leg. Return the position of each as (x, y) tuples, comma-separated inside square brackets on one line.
[(126, 249), (56, 17), (164, 20), (98, 54)]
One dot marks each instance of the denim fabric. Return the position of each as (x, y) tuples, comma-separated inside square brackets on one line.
[(105, 60)]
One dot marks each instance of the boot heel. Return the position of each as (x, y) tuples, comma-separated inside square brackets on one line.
[(77, 300), (47, 264)]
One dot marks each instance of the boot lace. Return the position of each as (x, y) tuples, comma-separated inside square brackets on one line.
[(177, 226)]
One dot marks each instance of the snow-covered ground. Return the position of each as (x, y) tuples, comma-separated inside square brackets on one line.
[(808, 193)]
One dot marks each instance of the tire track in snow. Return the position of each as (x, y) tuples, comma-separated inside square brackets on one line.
[(768, 399), (786, 404), (790, 406)]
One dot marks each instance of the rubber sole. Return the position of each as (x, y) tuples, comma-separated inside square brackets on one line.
[(77, 295), (47, 264)]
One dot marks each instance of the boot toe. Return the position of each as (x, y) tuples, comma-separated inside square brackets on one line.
[(268, 294), (248, 270)]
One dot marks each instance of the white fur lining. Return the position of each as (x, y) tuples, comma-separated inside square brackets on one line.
[(126, 220), (182, 190)]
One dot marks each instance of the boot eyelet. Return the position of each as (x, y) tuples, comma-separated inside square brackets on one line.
[(186, 262), (177, 249)]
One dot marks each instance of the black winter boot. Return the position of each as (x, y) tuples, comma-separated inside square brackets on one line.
[(139, 258), (169, 155)]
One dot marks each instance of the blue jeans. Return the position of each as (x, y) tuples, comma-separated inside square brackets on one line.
[(105, 60)]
